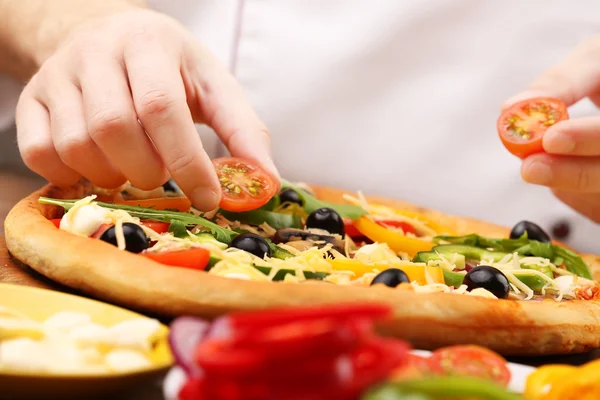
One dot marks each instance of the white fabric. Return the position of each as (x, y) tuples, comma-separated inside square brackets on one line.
[(398, 98)]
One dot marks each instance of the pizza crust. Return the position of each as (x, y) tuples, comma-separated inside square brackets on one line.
[(427, 320)]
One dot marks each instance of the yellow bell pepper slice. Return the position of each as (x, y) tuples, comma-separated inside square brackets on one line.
[(537, 383), (414, 272), (397, 241)]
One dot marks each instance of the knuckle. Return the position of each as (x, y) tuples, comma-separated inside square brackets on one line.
[(582, 179), (35, 155), (155, 103), (105, 124), (72, 149), (181, 163)]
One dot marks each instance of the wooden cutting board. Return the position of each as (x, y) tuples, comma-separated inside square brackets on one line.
[(13, 271)]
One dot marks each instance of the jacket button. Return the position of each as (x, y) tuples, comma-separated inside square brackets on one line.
[(561, 230)]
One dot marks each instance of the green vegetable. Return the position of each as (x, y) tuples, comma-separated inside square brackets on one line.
[(271, 204), (221, 234), (311, 203), (525, 247), (257, 217), (178, 228), (446, 387), (453, 278)]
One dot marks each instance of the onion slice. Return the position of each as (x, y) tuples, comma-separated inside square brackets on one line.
[(185, 334)]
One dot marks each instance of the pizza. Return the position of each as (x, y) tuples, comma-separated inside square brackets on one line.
[(449, 280)]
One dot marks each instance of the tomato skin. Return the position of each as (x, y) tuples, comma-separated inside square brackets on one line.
[(156, 226), (163, 203), (553, 109), (56, 222), (405, 226), (352, 231), (195, 258), (470, 360), (236, 195), (192, 390)]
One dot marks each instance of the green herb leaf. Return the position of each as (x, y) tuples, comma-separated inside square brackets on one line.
[(311, 203), (178, 228)]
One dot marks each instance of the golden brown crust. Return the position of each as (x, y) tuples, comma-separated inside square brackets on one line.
[(427, 320)]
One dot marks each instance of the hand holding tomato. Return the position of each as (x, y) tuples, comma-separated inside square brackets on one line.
[(116, 96), (566, 155)]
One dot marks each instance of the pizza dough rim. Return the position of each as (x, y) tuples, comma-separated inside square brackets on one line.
[(427, 320)]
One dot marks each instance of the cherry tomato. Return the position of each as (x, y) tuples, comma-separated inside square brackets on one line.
[(271, 317), (390, 223), (163, 203), (56, 222), (194, 258), (470, 360), (244, 185), (156, 226), (521, 127)]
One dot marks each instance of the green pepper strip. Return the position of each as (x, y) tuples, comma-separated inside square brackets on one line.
[(221, 234), (443, 387), (523, 246), (311, 203)]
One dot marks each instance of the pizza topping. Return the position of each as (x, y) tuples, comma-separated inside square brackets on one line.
[(244, 185), (326, 219), (290, 196), (311, 236), (84, 218), (391, 277), (521, 127), (488, 278), (127, 236), (533, 231), (253, 244)]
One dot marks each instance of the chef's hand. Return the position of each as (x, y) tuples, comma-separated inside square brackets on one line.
[(78, 115), (571, 164)]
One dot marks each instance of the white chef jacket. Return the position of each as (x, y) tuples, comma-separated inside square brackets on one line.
[(398, 98)]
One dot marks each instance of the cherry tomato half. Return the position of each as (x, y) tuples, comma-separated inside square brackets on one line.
[(194, 258), (521, 127), (244, 185), (56, 222), (156, 226), (470, 360)]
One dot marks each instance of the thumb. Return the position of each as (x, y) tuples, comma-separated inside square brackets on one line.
[(574, 78)]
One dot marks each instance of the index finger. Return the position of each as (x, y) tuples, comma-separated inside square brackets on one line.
[(574, 78), (160, 102)]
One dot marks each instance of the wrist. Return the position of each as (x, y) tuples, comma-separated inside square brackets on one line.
[(62, 20)]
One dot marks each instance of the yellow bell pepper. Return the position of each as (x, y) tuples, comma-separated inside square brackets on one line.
[(414, 272), (564, 382), (397, 241)]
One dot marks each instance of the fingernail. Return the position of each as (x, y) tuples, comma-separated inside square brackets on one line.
[(559, 143), (205, 199), (537, 172)]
